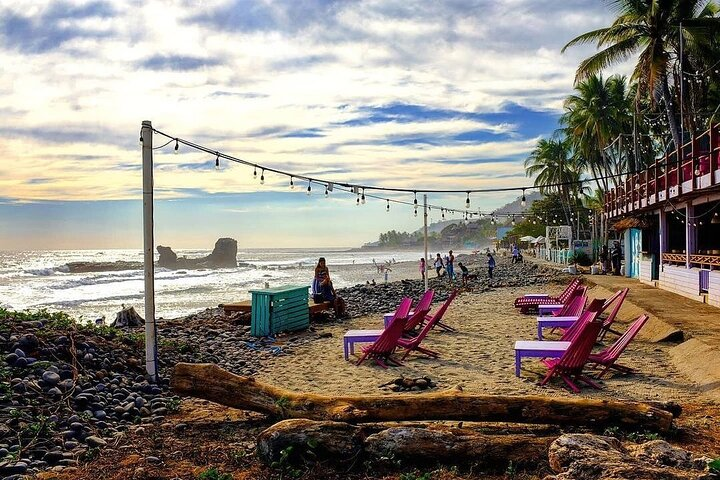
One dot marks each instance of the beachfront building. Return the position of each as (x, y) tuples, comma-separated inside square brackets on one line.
[(670, 217)]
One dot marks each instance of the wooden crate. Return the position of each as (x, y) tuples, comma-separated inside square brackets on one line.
[(279, 309)]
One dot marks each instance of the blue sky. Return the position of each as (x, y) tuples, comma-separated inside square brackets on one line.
[(412, 94)]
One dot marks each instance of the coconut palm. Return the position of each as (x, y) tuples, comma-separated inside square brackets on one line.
[(650, 29), (595, 115)]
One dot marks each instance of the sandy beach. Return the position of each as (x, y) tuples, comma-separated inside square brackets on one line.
[(479, 357)]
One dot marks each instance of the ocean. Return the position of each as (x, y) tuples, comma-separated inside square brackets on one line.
[(40, 279)]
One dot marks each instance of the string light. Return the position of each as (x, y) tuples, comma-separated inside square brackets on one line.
[(292, 184), (442, 213), (387, 208), (327, 193), (415, 201), (357, 200), (262, 177), (177, 146), (513, 220), (254, 172), (523, 202), (415, 211), (362, 198), (467, 202), (309, 189), (217, 161)]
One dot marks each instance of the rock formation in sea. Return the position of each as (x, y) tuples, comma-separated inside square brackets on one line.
[(224, 255)]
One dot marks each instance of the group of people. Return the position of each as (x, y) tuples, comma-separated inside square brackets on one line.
[(448, 263), (610, 260)]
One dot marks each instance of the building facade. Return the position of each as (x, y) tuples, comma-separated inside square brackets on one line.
[(670, 214)]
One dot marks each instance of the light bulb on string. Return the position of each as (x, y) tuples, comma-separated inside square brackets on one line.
[(415, 211), (467, 202), (292, 184), (513, 220), (387, 207), (362, 197), (357, 200), (262, 177), (177, 146), (327, 193), (442, 213), (415, 201), (309, 189), (217, 161), (254, 172), (523, 202)]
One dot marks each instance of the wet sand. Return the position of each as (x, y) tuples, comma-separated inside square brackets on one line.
[(479, 357)]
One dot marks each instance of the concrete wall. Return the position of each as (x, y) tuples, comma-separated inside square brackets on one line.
[(646, 271), (680, 280), (714, 288)]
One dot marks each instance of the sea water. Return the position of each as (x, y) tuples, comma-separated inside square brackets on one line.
[(41, 279)]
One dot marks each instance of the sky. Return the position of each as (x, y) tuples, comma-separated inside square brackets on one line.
[(396, 93)]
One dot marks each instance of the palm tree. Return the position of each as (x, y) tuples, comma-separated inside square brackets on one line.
[(595, 115), (555, 171), (650, 29)]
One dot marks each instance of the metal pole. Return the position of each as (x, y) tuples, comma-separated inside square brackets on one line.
[(636, 164), (682, 96), (425, 235), (148, 249)]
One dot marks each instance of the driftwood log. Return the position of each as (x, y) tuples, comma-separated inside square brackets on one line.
[(210, 382), (302, 441), (127, 317)]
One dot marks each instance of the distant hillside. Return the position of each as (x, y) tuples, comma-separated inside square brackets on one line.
[(516, 207), (437, 227)]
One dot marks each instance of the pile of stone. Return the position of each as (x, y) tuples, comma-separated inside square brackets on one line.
[(405, 384)]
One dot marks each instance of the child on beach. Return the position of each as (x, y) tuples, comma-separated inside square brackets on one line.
[(491, 264), (465, 273), (438, 265), (422, 268)]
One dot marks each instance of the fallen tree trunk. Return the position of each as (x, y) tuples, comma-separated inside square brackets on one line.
[(299, 441), (210, 382)]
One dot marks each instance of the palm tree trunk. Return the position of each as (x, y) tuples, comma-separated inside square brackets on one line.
[(670, 112)]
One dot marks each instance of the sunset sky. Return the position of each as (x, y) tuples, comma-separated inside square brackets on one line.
[(399, 93)]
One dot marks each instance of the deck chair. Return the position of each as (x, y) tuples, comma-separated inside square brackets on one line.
[(439, 323), (382, 349), (618, 299), (525, 304), (413, 344), (403, 309), (570, 365), (421, 310), (575, 305), (609, 356)]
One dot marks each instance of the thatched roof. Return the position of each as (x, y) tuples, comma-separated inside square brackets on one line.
[(632, 222)]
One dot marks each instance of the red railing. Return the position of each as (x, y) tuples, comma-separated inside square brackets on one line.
[(696, 166)]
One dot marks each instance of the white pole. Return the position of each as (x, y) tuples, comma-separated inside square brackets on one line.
[(149, 248), (425, 234)]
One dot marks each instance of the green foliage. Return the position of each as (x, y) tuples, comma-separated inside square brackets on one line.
[(213, 473), (714, 466), (416, 476), (637, 437), (581, 257), (284, 463), (173, 405), (511, 470)]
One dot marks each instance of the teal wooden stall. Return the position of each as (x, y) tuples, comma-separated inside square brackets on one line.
[(279, 309)]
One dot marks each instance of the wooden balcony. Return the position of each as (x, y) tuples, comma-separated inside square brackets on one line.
[(698, 260), (692, 169)]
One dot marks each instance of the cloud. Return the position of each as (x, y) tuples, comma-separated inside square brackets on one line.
[(177, 62)]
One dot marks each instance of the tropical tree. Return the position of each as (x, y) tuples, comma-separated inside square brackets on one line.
[(652, 29)]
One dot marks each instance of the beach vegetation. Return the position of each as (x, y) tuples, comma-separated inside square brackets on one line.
[(714, 466), (416, 476), (213, 473)]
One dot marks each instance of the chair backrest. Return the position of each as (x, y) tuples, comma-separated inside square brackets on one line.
[(426, 300), (574, 307), (618, 298), (622, 342), (403, 309), (581, 346), (388, 339), (437, 316), (565, 295), (416, 319), (590, 313)]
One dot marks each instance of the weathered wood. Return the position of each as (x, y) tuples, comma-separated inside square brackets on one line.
[(128, 317), (300, 441), (212, 383)]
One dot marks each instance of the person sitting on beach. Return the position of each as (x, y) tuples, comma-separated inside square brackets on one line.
[(322, 287), (438, 265), (422, 268), (491, 264)]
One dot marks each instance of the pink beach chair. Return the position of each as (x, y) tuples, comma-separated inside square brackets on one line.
[(413, 344), (609, 356), (618, 300), (525, 304), (570, 365), (382, 349), (421, 310), (352, 337)]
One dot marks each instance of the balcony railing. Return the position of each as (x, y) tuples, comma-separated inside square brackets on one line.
[(695, 167)]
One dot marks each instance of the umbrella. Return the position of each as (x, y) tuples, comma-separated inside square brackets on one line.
[(539, 239), (527, 238)]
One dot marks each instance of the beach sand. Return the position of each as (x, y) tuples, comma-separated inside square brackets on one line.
[(479, 357)]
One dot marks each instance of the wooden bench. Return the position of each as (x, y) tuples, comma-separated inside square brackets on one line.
[(246, 307)]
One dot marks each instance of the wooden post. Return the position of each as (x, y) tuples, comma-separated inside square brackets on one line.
[(149, 248), (425, 238), (690, 232), (663, 227)]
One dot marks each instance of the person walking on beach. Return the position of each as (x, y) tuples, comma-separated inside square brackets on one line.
[(515, 253), (465, 273), (422, 268), (491, 264), (449, 266), (438, 265)]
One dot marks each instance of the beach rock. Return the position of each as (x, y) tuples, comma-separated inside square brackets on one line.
[(224, 255), (168, 258)]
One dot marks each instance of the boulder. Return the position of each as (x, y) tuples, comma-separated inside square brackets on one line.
[(224, 254), (168, 258)]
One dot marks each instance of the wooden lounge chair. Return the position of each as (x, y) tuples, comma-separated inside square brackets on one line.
[(413, 344), (381, 351), (417, 316), (609, 356), (352, 337), (570, 365), (526, 304)]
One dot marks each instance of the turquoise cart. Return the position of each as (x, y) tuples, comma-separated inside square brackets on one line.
[(279, 309)]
